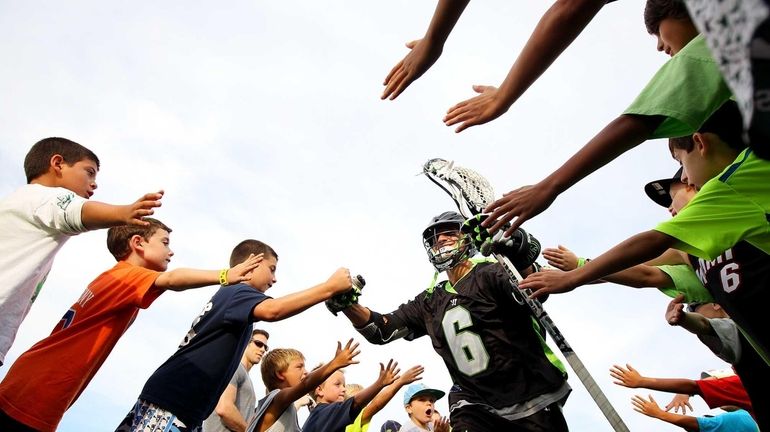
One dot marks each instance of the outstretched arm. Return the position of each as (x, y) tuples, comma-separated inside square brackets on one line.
[(621, 135), (650, 408), (693, 322), (630, 377), (96, 215), (388, 375), (377, 329), (558, 27), (383, 397), (424, 52), (183, 278), (292, 304), (637, 249)]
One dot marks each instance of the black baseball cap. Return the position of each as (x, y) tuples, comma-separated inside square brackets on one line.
[(658, 190)]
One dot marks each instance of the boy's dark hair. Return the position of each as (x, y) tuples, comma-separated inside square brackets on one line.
[(119, 236), (248, 247), (39, 156), (260, 332), (726, 123), (656, 11)]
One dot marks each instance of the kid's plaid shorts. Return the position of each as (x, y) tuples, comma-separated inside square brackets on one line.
[(146, 417)]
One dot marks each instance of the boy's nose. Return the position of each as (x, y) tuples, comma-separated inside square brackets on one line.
[(660, 43)]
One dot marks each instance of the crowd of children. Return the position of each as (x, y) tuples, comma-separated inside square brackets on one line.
[(713, 254)]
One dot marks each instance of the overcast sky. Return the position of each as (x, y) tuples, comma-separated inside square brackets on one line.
[(263, 120)]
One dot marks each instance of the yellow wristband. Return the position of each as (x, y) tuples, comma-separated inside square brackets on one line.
[(223, 277), (582, 261)]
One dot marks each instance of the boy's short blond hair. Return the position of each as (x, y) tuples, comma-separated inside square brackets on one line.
[(275, 361), (352, 389)]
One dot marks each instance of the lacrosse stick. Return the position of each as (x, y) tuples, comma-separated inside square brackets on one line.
[(472, 193)]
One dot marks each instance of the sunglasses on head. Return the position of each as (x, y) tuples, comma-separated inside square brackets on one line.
[(260, 344)]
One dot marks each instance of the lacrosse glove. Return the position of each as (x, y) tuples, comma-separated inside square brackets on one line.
[(347, 299), (521, 248)]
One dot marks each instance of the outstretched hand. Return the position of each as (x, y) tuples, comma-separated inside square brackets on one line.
[(242, 272), (345, 356), (647, 407), (441, 425), (136, 212), (421, 57), (561, 258), (549, 282), (626, 377), (680, 401), (340, 281), (675, 310), (522, 203), (388, 375), (477, 110), (411, 375)]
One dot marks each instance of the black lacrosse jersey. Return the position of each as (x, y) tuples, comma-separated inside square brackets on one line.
[(739, 280), (485, 338)]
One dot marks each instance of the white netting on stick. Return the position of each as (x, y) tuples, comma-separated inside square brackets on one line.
[(475, 188)]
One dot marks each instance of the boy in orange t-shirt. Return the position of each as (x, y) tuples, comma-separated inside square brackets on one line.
[(47, 379)]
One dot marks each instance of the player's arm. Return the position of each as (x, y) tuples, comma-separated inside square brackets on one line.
[(621, 135), (185, 278), (376, 328), (424, 52), (228, 412), (650, 408), (292, 304), (558, 27), (635, 250), (95, 215)]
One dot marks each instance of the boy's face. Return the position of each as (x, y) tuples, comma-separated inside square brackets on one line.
[(695, 167), (79, 177), (295, 373), (333, 389), (263, 277), (681, 194), (674, 34), (156, 251), (256, 348), (421, 409)]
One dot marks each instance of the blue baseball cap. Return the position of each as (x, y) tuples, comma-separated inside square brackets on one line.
[(420, 389)]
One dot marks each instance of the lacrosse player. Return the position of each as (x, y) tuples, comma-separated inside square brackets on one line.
[(490, 344)]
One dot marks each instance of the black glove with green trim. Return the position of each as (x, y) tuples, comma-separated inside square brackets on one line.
[(521, 248), (347, 299)]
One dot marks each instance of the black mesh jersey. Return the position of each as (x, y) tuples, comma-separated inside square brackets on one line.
[(739, 280), (485, 338)]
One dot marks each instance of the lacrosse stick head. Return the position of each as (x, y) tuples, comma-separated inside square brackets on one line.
[(445, 242), (470, 191)]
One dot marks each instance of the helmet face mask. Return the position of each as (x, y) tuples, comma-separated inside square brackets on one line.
[(445, 243)]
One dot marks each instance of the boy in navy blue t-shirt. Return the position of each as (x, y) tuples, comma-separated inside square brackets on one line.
[(184, 390)]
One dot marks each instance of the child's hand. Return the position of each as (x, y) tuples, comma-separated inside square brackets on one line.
[(485, 107), (626, 377), (561, 258), (647, 407), (549, 282), (340, 281), (675, 310), (345, 356), (242, 272), (135, 213), (441, 425), (421, 57), (411, 375), (523, 204), (680, 401), (388, 374)]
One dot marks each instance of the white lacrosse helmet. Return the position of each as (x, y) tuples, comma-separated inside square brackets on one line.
[(446, 257)]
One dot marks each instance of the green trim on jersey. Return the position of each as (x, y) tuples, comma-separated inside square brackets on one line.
[(547, 350), (731, 207), (671, 93), (686, 282), (448, 285)]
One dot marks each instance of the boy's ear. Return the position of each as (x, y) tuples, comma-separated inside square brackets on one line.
[(135, 243), (702, 143), (56, 163)]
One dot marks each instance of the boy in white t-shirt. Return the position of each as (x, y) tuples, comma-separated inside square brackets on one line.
[(39, 217)]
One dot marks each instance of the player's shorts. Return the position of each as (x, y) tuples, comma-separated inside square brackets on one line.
[(146, 417), (469, 419)]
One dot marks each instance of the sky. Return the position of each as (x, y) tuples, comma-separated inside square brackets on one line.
[(263, 120)]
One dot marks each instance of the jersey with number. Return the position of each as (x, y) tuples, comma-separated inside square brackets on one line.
[(48, 378), (36, 221), (739, 280), (485, 338)]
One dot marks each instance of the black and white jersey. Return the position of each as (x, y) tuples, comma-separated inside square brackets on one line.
[(486, 339)]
